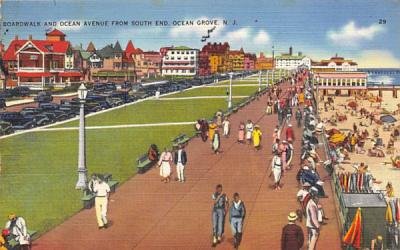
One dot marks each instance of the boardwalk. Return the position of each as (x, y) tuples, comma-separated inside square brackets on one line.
[(148, 214)]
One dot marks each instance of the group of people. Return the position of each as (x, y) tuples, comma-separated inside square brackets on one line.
[(179, 158), (237, 213), (311, 187), (250, 133)]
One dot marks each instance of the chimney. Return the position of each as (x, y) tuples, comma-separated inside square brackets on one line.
[(30, 38), (16, 37), (290, 50)]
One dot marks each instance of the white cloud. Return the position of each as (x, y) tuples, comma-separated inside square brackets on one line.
[(262, 38), (240, 35), (197, 29), (377, 59), (351, 35)]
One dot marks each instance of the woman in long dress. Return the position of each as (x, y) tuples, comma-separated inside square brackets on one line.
[(216, 142), (276, 167), (257, 137), (165, 165), (249, 130), (211, 130), (227, 127), (241, 132)]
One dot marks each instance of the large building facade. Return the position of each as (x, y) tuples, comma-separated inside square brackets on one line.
[(334, 64), (264, 63), (179, 61), (236, 60), (39, 64), (218, 58), (289, 61)]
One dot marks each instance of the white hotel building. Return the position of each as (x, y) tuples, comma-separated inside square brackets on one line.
[(179, 61)]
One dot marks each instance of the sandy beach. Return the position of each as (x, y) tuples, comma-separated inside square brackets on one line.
[(381, 168)]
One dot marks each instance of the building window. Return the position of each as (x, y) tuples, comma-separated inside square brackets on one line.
[(172, 52)]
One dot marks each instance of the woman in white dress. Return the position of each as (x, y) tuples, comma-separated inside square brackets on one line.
[(249, 130), (227, 127), (165, 165), (276, 166)]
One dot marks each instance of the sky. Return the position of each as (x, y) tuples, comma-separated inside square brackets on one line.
[(366, 31)]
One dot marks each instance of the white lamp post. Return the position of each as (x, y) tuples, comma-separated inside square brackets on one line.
[(230, 90), (259, 81), (266, 85), (82, 171)]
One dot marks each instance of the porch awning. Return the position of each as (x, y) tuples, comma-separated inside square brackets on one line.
[(34, 74)]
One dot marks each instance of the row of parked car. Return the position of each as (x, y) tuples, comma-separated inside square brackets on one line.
[(100, 97)]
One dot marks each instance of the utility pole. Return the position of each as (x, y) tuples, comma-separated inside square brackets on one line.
[(2, 66)]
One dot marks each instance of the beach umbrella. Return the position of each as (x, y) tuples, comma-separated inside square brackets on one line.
[(388, 119), (352, 104), (353, 235)]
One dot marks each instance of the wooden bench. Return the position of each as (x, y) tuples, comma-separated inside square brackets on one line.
[(15, 244), (113, 185), (88, 199), (143, 164), (181, 139)]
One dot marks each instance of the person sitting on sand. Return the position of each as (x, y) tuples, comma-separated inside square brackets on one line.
[(390, 146), (395, 161), (376, 152)]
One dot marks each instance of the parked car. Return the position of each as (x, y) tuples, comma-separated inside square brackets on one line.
[(32, 109), (110, 86), (100, 99), (17, 120), (123, 95), (3, 104), (6, 128), (20, 91), (126, 86), (99, 87), (114, 102), (38, 119), (59, 115), (49, 106), (43, 96), (70, 107)]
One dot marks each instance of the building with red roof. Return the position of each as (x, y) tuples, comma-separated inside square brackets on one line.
[(39, 64), (335, 63)]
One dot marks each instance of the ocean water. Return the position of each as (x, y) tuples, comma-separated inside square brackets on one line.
[(387, 76)]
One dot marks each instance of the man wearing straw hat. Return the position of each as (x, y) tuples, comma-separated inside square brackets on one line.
[(292, 234)]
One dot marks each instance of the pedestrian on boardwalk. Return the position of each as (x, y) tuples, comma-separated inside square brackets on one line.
[(220, 205), (249, 130), (227, 127), (102, 191), (219, 119), (299, 117), (289, 133), (16, 225), (204, 130), (165, 165), (289, 154), (211, 130), (216, 142), (257, 137), (236, 217), (312, 223), (282, 149), (276, 134), (276, 166), (180, 161), (241, 133), (292, 234)]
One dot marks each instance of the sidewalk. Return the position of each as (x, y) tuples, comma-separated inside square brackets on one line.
[(148, 214)]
